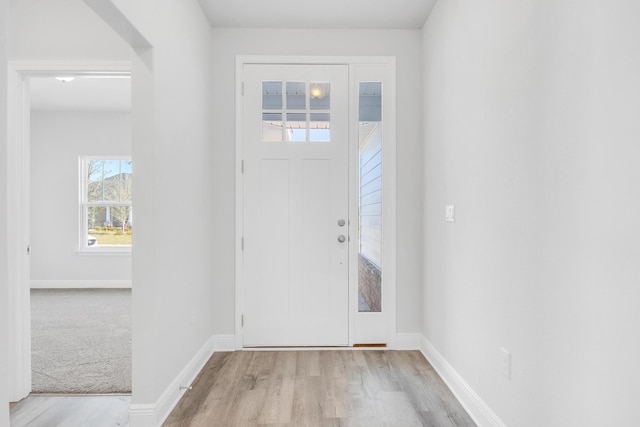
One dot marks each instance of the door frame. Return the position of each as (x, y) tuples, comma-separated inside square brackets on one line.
[(18, 204), (358, 65)]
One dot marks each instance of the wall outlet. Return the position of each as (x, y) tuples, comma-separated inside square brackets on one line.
[(450, 213), (505, 363)]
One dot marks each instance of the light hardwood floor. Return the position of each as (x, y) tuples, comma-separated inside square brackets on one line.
[(319, 388), (71, 411), (368, 388)]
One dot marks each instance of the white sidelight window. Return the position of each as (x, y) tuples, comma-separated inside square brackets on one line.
[(370, 184), (106, 193)]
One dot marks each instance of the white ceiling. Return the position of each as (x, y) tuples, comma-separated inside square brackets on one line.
[(114, 94), (82, 94), (325, 14)]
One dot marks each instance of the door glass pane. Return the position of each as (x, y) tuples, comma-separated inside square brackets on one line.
[(296, 96), (319, 127), (320, 95), (272, 127), (370, 184), (272, 95), (296, 127), (272, 102)]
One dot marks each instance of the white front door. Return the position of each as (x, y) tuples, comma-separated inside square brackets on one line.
[(295, 259)]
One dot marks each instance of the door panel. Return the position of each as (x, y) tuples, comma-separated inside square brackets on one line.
[(295, 191)]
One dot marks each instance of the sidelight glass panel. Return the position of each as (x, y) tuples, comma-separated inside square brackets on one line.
[(370, 184)]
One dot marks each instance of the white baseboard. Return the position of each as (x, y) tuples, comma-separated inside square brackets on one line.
[(224, 343), (154, 414), (472, 403), (406, 342), (80, 284)]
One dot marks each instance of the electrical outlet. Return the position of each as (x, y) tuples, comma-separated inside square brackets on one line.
[(450, 213), (505, 363)]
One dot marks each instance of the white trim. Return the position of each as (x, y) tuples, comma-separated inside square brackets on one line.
[(18, 196), (389, 256), (17, 180), (154, 414), (80, 284), (477, 409), (239, 259), (312, 60), (104, 251), (223, 343), (72, 67)]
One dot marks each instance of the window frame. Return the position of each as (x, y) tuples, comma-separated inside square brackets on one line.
[(84, 204)]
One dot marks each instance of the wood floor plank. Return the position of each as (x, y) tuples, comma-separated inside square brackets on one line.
[(59, 410), (307, 410), (359, 388)]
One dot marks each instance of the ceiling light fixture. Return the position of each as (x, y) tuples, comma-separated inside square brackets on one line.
[(66, 79), (317, 92)]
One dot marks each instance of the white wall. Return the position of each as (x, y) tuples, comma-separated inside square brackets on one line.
[(4, 291), (171, 150), (406, 46), (58, 138), (173, 155), (61, 29), (531, 112)]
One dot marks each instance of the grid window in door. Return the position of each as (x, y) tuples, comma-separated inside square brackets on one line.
[(296, 111)]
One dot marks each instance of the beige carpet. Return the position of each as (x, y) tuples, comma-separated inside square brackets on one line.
[(81, 340)]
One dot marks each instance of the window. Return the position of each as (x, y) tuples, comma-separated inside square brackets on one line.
[(370, 174), (296, 111), (105, 203)]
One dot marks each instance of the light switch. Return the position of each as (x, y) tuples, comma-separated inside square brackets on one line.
[(450, 213)]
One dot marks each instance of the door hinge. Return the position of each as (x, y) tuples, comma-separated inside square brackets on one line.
[(242, 88), (242, 243), (242, 320), (28, 249), (242, 166)]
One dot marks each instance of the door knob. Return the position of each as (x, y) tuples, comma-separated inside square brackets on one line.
[(341, 238)]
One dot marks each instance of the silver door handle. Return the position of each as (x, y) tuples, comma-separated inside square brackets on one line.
[(341, 238)]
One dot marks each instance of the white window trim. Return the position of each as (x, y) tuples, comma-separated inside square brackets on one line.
[(83, 249)]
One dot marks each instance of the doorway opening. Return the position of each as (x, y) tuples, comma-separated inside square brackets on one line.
[(80, 232), (53, 124)]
